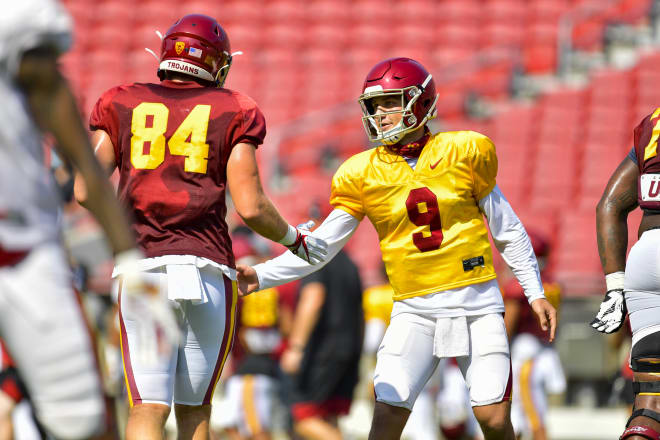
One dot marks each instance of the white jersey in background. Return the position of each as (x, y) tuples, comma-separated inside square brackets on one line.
[(40, 317), (28, 198)]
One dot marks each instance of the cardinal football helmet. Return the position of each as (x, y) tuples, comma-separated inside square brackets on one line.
[(197, 46), (412, 84)]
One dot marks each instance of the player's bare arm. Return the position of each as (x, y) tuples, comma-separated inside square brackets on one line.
[(105, 154), (618, 199), (259, 213), (54, 108), (250, 201)]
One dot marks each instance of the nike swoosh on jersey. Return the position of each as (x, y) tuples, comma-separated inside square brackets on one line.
[(433, 165)]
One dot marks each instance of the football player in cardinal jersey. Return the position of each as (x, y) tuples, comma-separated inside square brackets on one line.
[(178, 145), (536, 365), (41, 320), (426, 195), (633, 286)]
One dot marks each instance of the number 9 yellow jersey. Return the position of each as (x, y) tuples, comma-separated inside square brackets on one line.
[(431, 230)]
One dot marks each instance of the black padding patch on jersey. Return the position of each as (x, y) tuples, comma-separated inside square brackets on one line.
[(473, 262)]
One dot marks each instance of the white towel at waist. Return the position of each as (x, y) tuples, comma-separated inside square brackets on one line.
[(452, 338), (183, 278), (185, 282)]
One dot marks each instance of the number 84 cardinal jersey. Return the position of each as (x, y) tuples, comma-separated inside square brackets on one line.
[(431, 230), (172, 141)]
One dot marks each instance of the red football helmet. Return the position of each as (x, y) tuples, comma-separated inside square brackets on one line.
[(412, 83), (197, 46)]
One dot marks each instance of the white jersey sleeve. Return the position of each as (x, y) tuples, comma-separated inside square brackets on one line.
[(29, 201), (336, 229), (512, 241), (27, 24)]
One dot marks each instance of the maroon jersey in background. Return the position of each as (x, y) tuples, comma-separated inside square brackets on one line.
[(646, 145), (172, 141), (527, 321)]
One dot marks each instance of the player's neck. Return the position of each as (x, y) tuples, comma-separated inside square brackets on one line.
[(181, 78), (412, 144), (413, 136)]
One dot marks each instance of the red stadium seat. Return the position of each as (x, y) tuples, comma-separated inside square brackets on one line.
[(244, 38), (327, 35), (369, 11), (285, 12), (230, 12), (283, 36), (577, 254), (461, 13), (152, 13), (633, 10), (452, 34), (509, 12), (367, 33), (330, 12), (548, 11), (414, 35), (448, 55), (501, 34), (422, 13), (540, 59), (589, 34)]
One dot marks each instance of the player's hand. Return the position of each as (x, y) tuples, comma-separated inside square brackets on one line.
[(311, 249), (291, 360), (157, 327), (547, 316), (248, 281), (612, 312)]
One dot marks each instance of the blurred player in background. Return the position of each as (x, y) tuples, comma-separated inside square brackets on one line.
[(324, 346), (635, 182), (251, 392), (178, 145), (40, 316), (426, 195), (536, 365)]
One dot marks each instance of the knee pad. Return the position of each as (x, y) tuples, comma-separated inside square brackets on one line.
[(646, 348)]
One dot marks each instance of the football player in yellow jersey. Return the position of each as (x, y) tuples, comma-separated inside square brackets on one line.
[(426, 195)]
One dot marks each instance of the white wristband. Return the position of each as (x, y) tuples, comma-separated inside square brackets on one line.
[(290, 236), (614, 281)]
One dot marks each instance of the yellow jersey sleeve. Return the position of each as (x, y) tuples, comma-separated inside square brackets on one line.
[(346, 190), (484, 165)]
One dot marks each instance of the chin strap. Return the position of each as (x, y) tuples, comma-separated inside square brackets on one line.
[(413, 149)]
